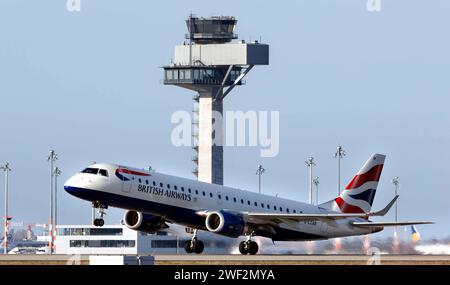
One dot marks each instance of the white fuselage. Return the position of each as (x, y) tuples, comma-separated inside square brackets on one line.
[(180, 200)]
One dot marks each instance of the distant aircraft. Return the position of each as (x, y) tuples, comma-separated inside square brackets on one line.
[(154, 199), (415, 235)]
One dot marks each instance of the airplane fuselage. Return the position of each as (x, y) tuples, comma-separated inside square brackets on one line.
[(184, 201)]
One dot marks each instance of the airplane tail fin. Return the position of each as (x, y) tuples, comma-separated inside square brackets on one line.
[(358, 195)]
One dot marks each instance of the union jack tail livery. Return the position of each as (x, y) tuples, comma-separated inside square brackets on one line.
[(359, 193)]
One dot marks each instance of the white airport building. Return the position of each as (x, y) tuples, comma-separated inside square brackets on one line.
[(113, 239)]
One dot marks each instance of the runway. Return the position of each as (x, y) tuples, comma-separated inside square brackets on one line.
[(235, 259), (302, 259)]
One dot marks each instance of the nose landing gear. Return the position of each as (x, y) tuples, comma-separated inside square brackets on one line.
[(194, 245), (101, 208), (248, 246)]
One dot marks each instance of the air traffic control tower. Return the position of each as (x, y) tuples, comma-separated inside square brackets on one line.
[(211, 64)]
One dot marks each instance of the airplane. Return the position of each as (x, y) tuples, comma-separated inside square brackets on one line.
[(153, 200)]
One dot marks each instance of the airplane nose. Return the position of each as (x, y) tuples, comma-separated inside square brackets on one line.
[(72, 184), (68, 183)]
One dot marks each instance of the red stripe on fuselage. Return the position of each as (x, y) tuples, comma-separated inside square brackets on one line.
[(132, 172), (347, 208), (371, 175)]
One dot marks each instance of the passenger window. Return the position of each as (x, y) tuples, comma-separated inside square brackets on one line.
[(242, 201), (268, 206), (204, 194), (256, 204), (154, 183), (140, 180), (220, 196), (103, 172), (234, 199), (182, 189), (161, 185), (275, 208), (295, 211), (168, 186), (281, 209), (226, 198), (175, 187), (146, 182), (262, 205), (287, 210), (248, 202), (196, 192)]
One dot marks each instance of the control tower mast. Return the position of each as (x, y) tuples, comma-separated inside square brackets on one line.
[(212, 65)]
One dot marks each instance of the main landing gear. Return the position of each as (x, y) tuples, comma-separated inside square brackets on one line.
[(194, 245), (101, 208), (248, 246)]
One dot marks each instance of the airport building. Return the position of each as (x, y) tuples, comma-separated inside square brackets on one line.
[(119, 239), (113, 239)]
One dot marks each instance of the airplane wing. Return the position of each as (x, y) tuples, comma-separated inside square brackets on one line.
[(319, 216), (388, 224)]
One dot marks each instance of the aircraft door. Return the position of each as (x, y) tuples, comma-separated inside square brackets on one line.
[(126, 179)]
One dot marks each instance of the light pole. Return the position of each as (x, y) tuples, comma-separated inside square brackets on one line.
[(316, 183), (56, 173), (7, 169), (396, 184), (340, 153), (259, 171), (310, 163), (52, 157)]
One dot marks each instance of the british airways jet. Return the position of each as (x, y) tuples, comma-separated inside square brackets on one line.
[(154, 200)]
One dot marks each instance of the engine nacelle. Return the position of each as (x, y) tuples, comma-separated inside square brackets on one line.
[(143, 222), (225, 223)]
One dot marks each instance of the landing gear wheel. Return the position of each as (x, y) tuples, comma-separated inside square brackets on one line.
[(101, 207), (194, 245), (243, 248), (99, 222), (248, 246), (187, 247), (198, 247), (252, 248)]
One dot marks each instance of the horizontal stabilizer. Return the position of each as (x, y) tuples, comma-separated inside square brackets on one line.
[(388, 224)]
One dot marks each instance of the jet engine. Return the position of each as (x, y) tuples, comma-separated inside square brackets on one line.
[(225, 223), (143, 222)]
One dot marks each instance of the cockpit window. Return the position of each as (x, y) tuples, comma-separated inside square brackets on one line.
[(96, 171), (90, 171)]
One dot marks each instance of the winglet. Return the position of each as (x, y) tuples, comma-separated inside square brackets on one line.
[(386, 209)]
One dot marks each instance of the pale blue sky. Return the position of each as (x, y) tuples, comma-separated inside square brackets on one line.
[(89, 85)]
